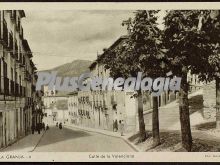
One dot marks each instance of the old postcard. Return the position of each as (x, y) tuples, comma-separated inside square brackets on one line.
[(110, 82)]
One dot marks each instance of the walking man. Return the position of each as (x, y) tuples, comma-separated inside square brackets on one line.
[(115, 125), (121, 122)]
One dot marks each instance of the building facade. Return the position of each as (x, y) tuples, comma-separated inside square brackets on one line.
[(55, 104), (73, 114), (104, 109), (16, 72)]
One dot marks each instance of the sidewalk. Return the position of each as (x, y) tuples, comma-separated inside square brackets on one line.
[(26, 144), (211, 135), (105, 132)]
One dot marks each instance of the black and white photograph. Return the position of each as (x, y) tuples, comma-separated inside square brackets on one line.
[(105, 80)]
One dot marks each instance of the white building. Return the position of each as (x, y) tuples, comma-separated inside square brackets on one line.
[(73, 115), (17, 72)]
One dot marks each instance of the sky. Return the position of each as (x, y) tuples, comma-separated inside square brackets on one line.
[(59, 37)]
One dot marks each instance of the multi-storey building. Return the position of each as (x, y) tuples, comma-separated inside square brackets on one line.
[(16, 72), (50, 97), (37, 106), (55, 104), (73, 113), (104, 109)]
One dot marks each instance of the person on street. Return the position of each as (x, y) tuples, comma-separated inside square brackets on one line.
[(47, 127), (43, 126), (38, 128), (32, 128), (60, 125), (121, 122), (57, 124), (115, 126)]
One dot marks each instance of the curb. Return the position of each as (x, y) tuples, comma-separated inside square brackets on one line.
[(38, 142), (124, 139), (131, 145)]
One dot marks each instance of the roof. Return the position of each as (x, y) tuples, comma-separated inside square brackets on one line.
[(27, 47), (35, 68), (22, 13), (93, 65), (116, 43), (33, 65)]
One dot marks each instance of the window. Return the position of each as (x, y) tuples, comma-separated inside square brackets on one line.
[(20, 79), (5, 71), (16, 76), (168, 95), (12, 74), (0, 74)]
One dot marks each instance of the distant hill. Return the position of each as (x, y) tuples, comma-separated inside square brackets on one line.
[(72, 69)]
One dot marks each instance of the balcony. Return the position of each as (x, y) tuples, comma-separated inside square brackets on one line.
[(4, 33), (20, 57), (23, 61), (6, 86), (10, 44), (31, 101), (27, 76), (12, 85), (13, 15), (33, 88), (16, 51), (1, 85), (21, 33), (18, 24), (28, 101), (22, 91), (17, 90)]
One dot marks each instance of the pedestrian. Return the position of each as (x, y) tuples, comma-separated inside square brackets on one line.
[(60, 125), (32, 128), (116, 125), (113, 126), (38, 128), (43, 126), (47, 127), (57, 124), (121, 122)]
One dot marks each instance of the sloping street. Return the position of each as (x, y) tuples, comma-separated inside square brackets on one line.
[(70, 140)]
